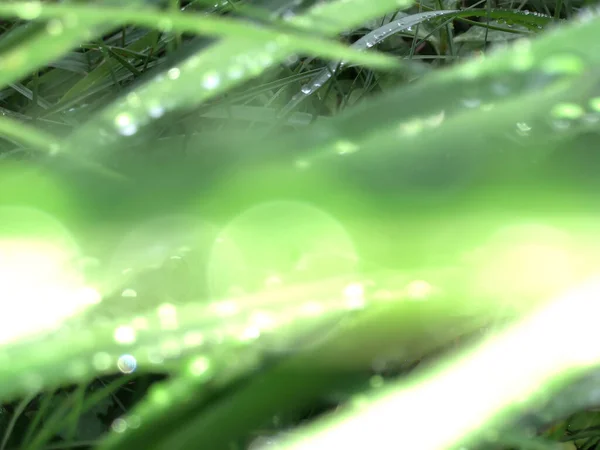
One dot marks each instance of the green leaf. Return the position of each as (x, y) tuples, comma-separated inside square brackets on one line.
[(38, 47)]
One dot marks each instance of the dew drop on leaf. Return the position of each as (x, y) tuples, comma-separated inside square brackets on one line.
[(595, 104), (523, 128), (211, 80), (127, 363), (563, 64), (118, 425), (54, 27), (173, 73), (345, 147), (235, 72), (125, 125), (567, 111), (129, 293), (199, 366), (30, 10)]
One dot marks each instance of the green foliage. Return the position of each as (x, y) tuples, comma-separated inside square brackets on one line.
[(190, 190)]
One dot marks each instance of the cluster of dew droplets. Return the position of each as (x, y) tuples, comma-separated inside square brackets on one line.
[(530, 72), (164, 92), (565, 115), (367, 41)]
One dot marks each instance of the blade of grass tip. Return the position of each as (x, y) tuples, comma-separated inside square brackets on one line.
[(380, 34), (13, 420)]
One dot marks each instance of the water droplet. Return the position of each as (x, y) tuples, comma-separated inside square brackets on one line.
[(306, 89), (118, 425), (127, 363), (263, 320), (155, 357), (435, 120), (156, 111), (32, 382), (344, 147), (124, 335), (134, 421), (133, 100), (211, 80), (129, 293), (55, 27), (376, 381), (411, 128), (250, 333), (235, 72), (159, 395), (563, 64), (567, 111), (293, 59), (125, 125), (595, 103), (523, 129), (173, 73), (199, 366)]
